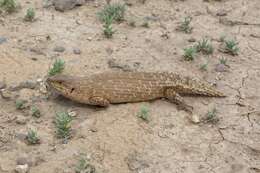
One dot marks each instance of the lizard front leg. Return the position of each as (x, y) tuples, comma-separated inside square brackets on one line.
[(174, 97), (98, 101)]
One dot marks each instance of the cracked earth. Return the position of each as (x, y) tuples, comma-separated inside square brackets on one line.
[(115, 139)]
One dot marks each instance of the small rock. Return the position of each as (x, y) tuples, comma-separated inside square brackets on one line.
[(195, 119), (28, 84), (22, 168), (63, 5), (47, 3), (221, 68), (21, 136), (59, 49), (21, 119), (221, 13), (191, 40), (76, 51), (113, 64), (72, 113), (2, 85), (3, 40), (89, 38), (24, 159)]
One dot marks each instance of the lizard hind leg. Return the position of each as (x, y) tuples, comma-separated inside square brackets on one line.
[(98, 101), (174, 97)]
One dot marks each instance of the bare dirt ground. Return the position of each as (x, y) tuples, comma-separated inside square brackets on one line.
[(116, 140)]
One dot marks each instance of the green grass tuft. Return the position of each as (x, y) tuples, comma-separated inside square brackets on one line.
[(231, 47), (32, 137), (114, 12), (205, 47), (20, 104), (30, 15), (83, 166), (9, 6), (63, 125), (57, 67), (185, 25), (189, 53), (144, 113), (35, 112)]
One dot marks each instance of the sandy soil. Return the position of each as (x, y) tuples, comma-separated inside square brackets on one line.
[(116, 140)]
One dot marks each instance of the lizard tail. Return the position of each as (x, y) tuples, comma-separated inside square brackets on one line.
[(207, 90)]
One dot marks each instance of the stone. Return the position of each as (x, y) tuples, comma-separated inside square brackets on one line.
[(59, 49), (3, 40), (21, 119), (221, 68), (6, 94), (22, 168), (76, 51), (195, 119), (64, 5)]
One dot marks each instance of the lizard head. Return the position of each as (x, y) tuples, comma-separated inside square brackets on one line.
[(63, 84)]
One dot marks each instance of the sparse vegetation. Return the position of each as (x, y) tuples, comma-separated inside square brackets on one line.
[(204, 67), (32, 137), (205, 47), (8, 5), (145, 24), (211, 116), (35, 112), (223, 61), (231, 47), (63, 125), (20, 104), (144, 113), (57, 67), (113, 12), (30, 15), (108, 29), (189, 53), (185, 25), (83, 166)]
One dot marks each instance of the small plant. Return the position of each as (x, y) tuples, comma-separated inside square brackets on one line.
[(231, 47), (204, 67), (20, 104), (63, 125), (30, 15), (223, 61), (8, 5), (32, 137), (189, 53), (57, 67), (114, 12), (83, 166), (185, 25), (145, 24), (212, 116), (108, 29), (144, 113), (205, 47), (35, 112)]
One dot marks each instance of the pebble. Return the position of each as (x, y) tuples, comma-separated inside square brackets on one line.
[(22, 168), (21, 119), (2, 85), (59, 49), (43, 88), (76, 51), (63, 5), (72, 113), (195, 119), (21, 136), (3, 40), (191, 40), (221, 68)]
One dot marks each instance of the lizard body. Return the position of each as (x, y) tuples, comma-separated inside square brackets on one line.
[(122, 87)]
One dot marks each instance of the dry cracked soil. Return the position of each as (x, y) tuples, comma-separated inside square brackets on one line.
[(115, 139)]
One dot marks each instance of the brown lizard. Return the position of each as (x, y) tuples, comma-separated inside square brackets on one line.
[(121, 87)]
